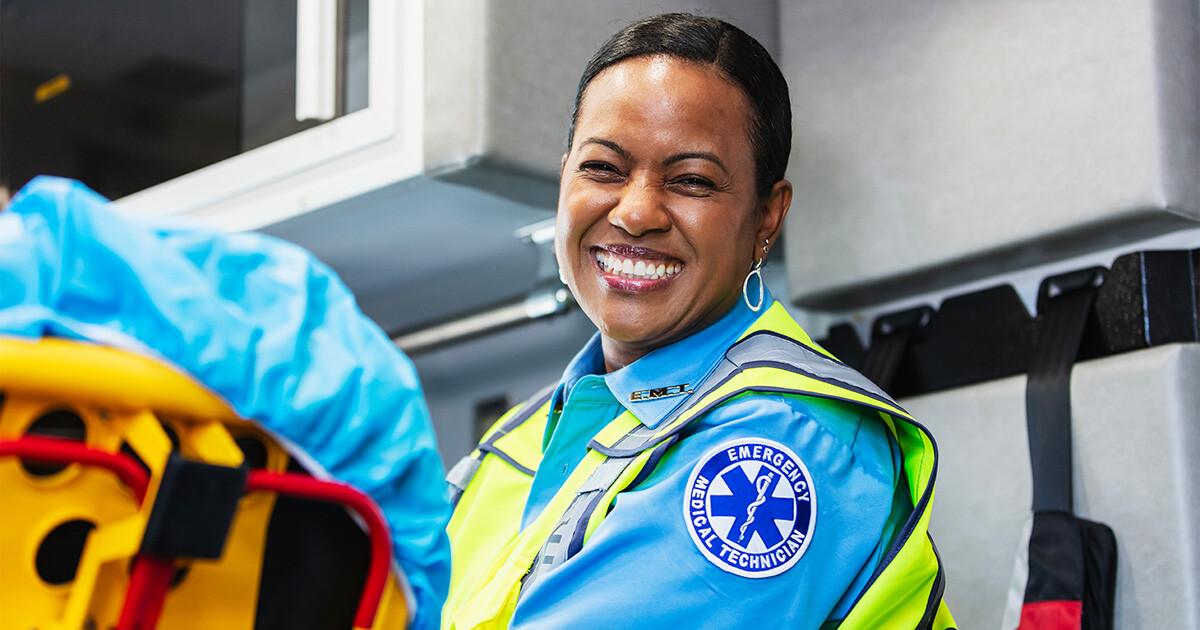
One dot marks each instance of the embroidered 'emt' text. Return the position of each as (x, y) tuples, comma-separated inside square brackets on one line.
[(659, 392)]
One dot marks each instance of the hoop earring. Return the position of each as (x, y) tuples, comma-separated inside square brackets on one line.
[(756, 270)]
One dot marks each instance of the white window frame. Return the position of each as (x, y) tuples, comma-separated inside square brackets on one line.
[(361, 151)]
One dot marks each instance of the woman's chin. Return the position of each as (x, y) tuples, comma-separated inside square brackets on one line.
[(631, 331)]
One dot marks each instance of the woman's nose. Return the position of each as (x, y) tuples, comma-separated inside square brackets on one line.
[(640, 211)]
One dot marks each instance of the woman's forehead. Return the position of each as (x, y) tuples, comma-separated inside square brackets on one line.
[(665, 72), (667, 97)]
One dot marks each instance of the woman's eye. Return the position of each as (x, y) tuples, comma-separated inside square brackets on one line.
[(602, 170), (694, 184)]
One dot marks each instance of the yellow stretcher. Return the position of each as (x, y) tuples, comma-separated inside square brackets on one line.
[(133, 498)]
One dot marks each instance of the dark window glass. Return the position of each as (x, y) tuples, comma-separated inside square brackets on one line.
[(124, 95)]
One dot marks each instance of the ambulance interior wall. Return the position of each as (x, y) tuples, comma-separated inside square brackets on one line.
[(939, 144), (1136, 431), (936, 143)]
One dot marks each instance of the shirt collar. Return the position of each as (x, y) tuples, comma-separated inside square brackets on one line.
[(589, 360), (654, 385)]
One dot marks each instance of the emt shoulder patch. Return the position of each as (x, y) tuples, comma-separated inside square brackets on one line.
[(750, 507)]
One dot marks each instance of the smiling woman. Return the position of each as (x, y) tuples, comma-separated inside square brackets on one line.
[(671, 477), (655, 177)]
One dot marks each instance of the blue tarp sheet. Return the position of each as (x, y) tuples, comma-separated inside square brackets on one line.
[(258, 321)]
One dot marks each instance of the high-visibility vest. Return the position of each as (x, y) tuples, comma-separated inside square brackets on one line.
[(493, 560)]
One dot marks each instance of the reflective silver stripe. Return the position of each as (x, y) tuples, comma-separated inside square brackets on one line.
[(769, 347), (461, 475), (762, 348), (566, 539)]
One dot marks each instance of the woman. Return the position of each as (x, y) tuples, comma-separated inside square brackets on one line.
[(701, 463)]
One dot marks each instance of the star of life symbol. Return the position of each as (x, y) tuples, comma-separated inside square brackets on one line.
[(750, 507)]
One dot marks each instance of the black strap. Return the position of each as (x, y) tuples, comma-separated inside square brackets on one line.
[(1063, 305), (890, 337), (936, 592)]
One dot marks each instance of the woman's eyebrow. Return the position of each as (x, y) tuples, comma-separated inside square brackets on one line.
[(696, 155), (606, 143), (678, 157)]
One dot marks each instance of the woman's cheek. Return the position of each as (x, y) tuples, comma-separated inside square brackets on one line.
[(586, 200)]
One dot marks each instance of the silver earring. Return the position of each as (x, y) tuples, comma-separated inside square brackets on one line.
[(756, 270)]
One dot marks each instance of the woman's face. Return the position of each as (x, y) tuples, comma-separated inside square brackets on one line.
[(658, 217)]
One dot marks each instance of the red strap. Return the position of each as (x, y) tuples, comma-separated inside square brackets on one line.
[(335, 492), (59, 450), (148, 584), (151, 576), (1052, 615)]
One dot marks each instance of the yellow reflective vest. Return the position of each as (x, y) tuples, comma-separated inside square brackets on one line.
[(493, 560)]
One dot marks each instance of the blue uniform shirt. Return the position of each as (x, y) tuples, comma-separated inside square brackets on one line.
[(641, 568)]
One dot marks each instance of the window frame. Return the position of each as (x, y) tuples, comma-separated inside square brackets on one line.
[(346, 156)]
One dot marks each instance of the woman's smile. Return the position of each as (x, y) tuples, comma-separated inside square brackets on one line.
[(635, 268)]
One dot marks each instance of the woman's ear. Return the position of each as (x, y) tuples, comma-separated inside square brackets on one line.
[(774, 208)]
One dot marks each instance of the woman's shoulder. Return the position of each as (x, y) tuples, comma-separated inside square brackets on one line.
[(778, 413), (776, 381), (823, 429)]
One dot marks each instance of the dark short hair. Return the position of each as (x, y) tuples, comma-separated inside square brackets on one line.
[(735, 54)]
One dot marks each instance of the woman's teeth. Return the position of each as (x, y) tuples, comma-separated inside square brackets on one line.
[(639, 269)]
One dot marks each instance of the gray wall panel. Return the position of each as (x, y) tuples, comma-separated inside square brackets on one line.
[(938, 142), (1137, 462), (1178, 25)]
